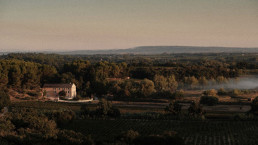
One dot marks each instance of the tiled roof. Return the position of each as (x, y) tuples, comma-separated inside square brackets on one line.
[(57, 85)]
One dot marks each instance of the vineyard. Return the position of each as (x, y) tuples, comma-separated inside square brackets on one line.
[(193, 132)]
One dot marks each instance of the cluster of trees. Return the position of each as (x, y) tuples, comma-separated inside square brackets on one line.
[(232, 93), (30, 127), (254, 106), (104, 109), (131, 88), (31, 71), (209, 97), (195, 109), (25, 75), (209, 100), (4, 100), (173, 108)]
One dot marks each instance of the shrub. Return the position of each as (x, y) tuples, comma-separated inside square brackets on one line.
[(173, 108), (62, 98), (63, 117), (62, 93), (4, 100), (69, 137), (209, 100), (178, 95), (78, 97), (129, 136), (195, 110), (222, 92), (105, 108), (85, 110), (254, 106), (163, 94), (211, 92), (114, 112), (235, 93)]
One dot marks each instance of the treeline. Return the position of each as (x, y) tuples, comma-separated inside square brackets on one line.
[(103, 78), (25, 75), (248, 61)]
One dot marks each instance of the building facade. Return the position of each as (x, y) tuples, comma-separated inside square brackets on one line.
[(52, 91)]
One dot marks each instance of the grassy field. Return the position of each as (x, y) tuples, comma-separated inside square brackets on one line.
[(193, 132)]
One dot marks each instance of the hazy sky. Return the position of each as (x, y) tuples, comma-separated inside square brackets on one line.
[(112, 24)]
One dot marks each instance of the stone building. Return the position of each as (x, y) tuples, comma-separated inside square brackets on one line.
[(51, 91)]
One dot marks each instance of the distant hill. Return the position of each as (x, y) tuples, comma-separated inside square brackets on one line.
[(150, 50), (165, 49)]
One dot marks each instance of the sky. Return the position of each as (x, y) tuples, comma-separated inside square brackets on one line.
[(57, 25)]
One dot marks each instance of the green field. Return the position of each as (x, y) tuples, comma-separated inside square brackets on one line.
[(193, 132)]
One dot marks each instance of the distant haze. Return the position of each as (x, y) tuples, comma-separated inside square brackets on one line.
[(164, 49), (246, 82), (66, 25)]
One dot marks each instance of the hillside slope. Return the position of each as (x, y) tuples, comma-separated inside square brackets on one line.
[(166, 49)]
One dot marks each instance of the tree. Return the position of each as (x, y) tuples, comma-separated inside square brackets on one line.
[(209, 100), (129, 136), (191, 81), (172, 83), (173, 108), (160, 83), (100, 88), (85, 110), (222, 92), (235, 93), (3, 80), (203, 81), (178, 95), (69, 137), (114, 112), (211, 92), (4, 100), (254, 106), (63, 117), (105, 108), (44, 93), (221, 79), (165, 84), (147, 87), (195, 110), (62, 93)]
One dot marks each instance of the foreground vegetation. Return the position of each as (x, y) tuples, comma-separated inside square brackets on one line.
[(169, 114), (102, 123), (193, 132)]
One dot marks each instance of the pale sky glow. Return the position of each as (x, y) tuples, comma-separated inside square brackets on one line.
[(38, 25)]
